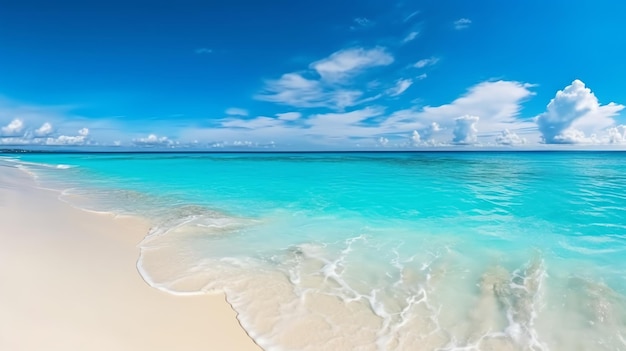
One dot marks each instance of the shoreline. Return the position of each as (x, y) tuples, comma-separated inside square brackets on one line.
[(69, 277)]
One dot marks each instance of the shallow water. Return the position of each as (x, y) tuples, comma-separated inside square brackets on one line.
[(381, 251)]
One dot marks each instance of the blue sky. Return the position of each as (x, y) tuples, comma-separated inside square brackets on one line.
[(313, 74)]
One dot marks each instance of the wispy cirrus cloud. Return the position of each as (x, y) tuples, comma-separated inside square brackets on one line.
[(496, 103), (400, 87), (203, 51), (328, 82), (289, 116), (346, 63), (292, 89), (361, 22), (481, 113), (426, 62), (462, 23), (235, 111), (410, 37), (411, 16)]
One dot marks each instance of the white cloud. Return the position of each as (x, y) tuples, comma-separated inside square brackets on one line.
[(13, 129), (410, 37), (361, 22), (401, 86), (617, 135), (462, 23), (575, 114), (62, 121), (465, 131), (204, 51), (289, 116), (153, 140), (346, 63), (411, 15), (497, 103), (243, 143), (15, 141), (44, 130), (422, 76), (348, 124), (294, 90), (234, 111), (382, 141), (327, 82), (66, 140), (573, 136), (426, 62), (416, 139), (509, 138), (255, 123), (429, 132)]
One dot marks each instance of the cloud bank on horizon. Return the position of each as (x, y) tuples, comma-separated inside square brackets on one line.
[(372, 92)]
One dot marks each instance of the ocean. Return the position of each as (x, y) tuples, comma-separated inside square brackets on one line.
[(377, 251)]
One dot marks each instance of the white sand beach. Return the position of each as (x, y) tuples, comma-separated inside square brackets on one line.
[(68, 281)]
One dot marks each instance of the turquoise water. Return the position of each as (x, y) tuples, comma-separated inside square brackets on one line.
[(380, 251)]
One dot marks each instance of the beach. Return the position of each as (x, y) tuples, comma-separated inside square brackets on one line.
[(68, 281), (341, 251)]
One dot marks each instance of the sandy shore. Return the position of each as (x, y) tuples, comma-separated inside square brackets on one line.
[(68, 281)]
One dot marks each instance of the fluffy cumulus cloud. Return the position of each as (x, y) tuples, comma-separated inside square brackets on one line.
[(80, 139), (575, 116), (426, 136), (465, 131), (18, 133), (13, 129), (44, 130), (617, 135), (429, 132), (509, 138), (153, 140), (416, 138), (327, 82), (28, 124)]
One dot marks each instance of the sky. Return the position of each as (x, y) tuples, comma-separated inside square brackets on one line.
[(313, 75)]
